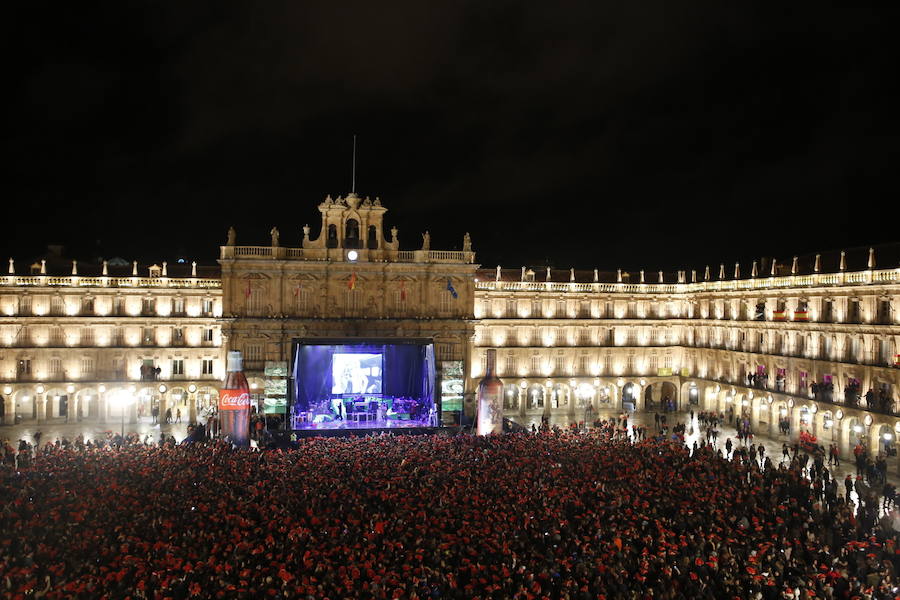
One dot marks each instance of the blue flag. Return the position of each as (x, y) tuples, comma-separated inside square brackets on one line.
[(450, 289)]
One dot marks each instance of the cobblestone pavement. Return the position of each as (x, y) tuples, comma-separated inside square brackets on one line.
[(52, 430)]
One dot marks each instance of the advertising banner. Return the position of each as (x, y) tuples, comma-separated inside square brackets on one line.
[(234, 403), (234, 415)]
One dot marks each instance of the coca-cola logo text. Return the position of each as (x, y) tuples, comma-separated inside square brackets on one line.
[(234, 401)]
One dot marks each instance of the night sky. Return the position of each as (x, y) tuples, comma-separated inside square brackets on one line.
[(659, 135)]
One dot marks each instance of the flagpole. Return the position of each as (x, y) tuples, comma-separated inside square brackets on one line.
[(353, 170)]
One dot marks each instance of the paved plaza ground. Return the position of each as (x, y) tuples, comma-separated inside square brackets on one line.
[(52, 430)]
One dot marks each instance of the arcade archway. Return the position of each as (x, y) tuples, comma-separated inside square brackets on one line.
[(511, 397), (629, 396), (535, 400), (668, 395)]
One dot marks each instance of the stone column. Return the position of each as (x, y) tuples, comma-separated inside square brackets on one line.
[(192, 407), (132, 412), (102, 407), (9, 409), (773, 417), (794, 414), (523, 401), (755, 405), (162, 407), (548, 401)]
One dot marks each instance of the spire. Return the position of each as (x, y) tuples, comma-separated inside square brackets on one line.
[(165, 269), (43, 267), (194, 268), (642, 276), (871, 258), (661, 277), (523, 274), (722, 271), (353, 169), (737, 270), (843, 265), (706, 274), (818, 266), (618, 275), (74, 267), (572, 274), (754, 272), (548, 273), (498, 272), (596, 276), (794, 266), (134, 269), (105, 269), (12, 267), (774, 266)]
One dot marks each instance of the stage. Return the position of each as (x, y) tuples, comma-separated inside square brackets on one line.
[(365, 386), (284, 437)]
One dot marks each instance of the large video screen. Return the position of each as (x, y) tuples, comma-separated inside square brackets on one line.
[(356, 373)]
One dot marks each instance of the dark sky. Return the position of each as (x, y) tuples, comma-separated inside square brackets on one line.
[(636, 134)]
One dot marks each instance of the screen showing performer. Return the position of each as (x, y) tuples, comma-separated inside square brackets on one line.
[(356, 373)]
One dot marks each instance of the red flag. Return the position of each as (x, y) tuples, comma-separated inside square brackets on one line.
[(249, 290), (351, 283), (403, 290)]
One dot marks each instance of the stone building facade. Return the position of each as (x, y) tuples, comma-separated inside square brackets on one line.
[(349, 282), (87, 345), (823, 347), (109, 344)]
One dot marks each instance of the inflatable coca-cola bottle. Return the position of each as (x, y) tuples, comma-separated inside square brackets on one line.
[(234, 403), (490, 399)]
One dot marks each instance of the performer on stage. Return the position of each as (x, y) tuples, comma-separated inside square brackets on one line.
[(353, 379), (337, 407)]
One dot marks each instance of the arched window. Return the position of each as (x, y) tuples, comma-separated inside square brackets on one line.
[(372, 238), (351, 234), (332, 240)]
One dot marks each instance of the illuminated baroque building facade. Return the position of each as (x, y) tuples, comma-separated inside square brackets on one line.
[(569, 344)]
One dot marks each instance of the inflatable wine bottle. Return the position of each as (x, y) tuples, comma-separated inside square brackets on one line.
[(234, 403), (490, 399)]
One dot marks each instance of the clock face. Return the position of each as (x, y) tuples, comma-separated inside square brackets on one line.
[(352, 255)]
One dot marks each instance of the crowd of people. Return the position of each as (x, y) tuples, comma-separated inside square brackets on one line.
[(824, 391), (881, 401), (578, 514), (758, 380)]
